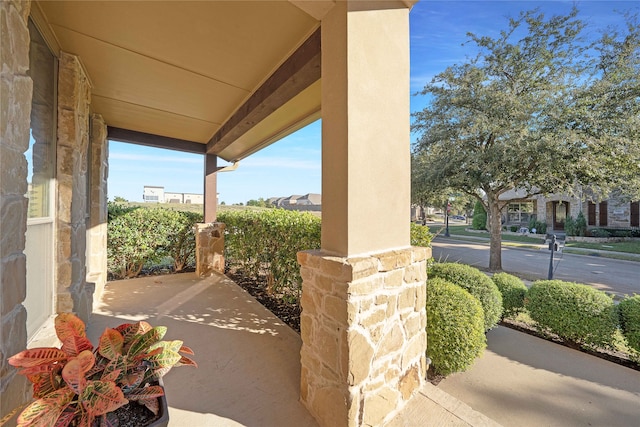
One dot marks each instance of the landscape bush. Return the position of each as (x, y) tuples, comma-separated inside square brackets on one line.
[(477, 284), (540, 227), (629, 316), (455, 327), (513, 291), (264, 245), (420, 235), (479, 221), (140, 236), (576, 313), (115, 210)]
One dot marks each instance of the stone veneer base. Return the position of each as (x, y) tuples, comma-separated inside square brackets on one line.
[(363, 331)]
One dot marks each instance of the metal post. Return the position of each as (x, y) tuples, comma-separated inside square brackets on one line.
[(552, 246), (446, 232)]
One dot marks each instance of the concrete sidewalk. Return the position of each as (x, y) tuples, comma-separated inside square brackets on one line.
[(249, 360), (524, 381)]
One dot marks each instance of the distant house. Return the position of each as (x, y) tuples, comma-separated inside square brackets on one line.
[(614, 212), (308, 202), (153, 194)]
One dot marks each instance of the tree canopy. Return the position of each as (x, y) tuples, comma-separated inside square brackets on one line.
[(539, 109)]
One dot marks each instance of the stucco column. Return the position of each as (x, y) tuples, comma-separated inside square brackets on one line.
[(366, 194), (363, 299), (210, 188)]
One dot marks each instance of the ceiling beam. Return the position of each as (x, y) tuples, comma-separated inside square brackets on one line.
[(157, 141), (297, 73)]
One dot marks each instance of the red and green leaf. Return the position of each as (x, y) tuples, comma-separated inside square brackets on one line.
[(152, 404), (46, 382), (45, 411), (67, 325), (74, 345), (100, 397), (111, 343), (150, 392), (74, 372), (37, 356), (145, 341)]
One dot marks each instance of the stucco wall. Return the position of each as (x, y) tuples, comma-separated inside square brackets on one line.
[(15, 96)]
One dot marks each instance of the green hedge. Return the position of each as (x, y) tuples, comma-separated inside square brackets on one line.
[(420, 235), (513, 291), (477, 283), (575, 312), (140, 236), (455, 327), (479, 221), (264, 244), (629, 313)]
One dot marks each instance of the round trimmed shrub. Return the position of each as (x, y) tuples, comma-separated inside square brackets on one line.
[(573, 311), (629, 314), (455, 327), (513, 291), (477, 284)]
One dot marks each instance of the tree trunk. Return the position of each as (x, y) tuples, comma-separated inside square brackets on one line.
[(495, 229)]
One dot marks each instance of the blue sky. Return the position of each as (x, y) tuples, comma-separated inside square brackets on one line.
[(292, 165)]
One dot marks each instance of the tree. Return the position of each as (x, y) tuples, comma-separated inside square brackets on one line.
[(119, 199), (538, 109)]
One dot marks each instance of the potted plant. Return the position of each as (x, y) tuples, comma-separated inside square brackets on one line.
[(77, 385)]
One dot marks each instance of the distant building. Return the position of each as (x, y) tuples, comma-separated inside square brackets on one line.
[(153, 194), (308, 202)]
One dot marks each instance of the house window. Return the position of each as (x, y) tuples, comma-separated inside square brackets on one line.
[(603, 214), (635, 214), (591, 213), (519, 212), (41, 155)]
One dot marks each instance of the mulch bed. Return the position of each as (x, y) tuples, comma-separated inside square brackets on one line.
[(290, 314)]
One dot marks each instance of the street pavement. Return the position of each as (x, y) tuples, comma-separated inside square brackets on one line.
[(619, 277)]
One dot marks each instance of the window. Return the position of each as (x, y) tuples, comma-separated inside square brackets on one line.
[(603, 214), (591, 213), (635, 214), (41, 152), (519, 212), (151, 198)]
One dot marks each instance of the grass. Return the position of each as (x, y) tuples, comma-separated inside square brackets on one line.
[(630, 247)]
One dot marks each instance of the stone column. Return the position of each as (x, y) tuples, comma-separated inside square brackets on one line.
[(97, 231), (15, 109), (363, 330), (209, 248), (73, 293), (364, 293)]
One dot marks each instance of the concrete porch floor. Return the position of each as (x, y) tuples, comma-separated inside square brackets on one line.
[(249, 360)]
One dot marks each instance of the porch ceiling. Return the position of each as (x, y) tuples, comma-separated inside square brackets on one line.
[(229, 76)]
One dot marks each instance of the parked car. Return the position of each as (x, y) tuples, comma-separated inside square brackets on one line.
[(458, 217)]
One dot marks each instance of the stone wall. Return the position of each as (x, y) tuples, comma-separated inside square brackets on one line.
[(363, 331), (209, 248), (97, 225), (73, 292), (15, 109)]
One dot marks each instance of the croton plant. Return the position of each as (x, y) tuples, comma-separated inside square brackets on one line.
[(77, 385)]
